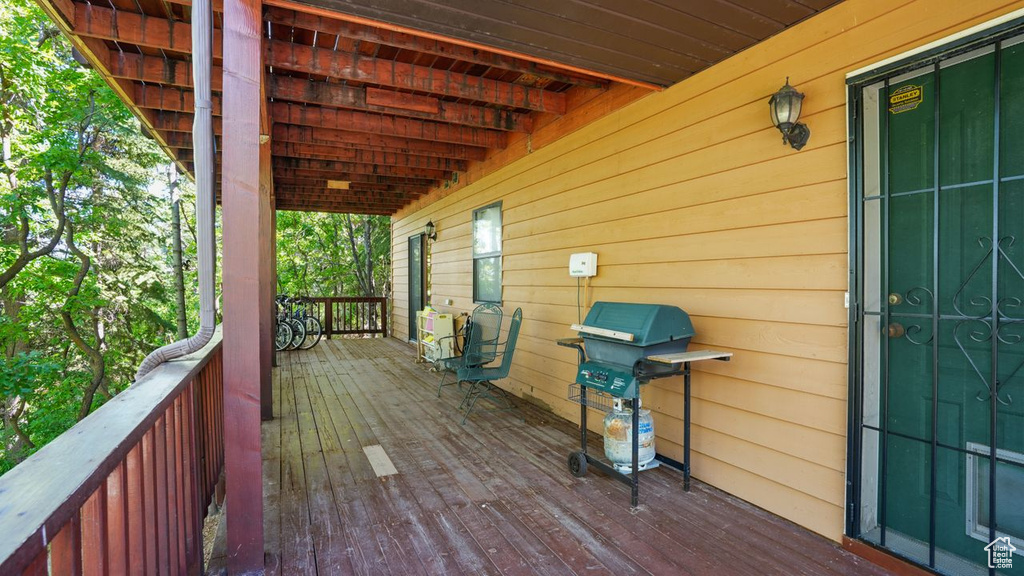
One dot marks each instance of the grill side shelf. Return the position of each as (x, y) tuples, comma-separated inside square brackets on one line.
[(691, 356)]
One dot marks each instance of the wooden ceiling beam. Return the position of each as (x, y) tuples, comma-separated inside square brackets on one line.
[(341, 203), (368, 70), (93, 21), (351, 177), (183, 140), (283, 182), (156, 70), (306, 21), (346, 196), (301, 187), (355, 98), (356, 121), (378, 157), (178, 121), (169, 99), (324, 136), (358, 168), (330, 208), (336, 119)]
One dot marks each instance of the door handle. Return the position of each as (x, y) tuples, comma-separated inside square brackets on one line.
[(896, 330)]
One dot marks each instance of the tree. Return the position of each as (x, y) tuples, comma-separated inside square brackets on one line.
[(84, 251), (333, 254)]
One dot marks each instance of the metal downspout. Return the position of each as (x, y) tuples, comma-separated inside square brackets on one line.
[(202, 130)]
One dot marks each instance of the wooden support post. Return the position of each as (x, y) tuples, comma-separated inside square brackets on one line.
[(266, 239), (245, 222), (273, 270)]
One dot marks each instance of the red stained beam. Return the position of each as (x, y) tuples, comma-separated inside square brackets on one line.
[(350, 120), (156, 70), (183, 140), (394, 199), (292, 18), (178, 121), (282, 183), (169, 99), (351, 176), (97, 22), (341, 96), (323, 136), (331, 208), (383, 158), (340, 204), (357, 68), (340, 119), (357, 189), (357, 168)]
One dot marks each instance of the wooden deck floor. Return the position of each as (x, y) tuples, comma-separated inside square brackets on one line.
[(491, 497)]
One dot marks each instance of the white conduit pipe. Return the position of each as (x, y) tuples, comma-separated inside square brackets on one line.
[(202, 135)]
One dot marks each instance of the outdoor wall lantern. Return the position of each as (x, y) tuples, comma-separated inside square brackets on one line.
[(784, 106), (431, 230)]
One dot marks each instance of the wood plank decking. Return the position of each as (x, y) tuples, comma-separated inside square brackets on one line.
[(491, 497)]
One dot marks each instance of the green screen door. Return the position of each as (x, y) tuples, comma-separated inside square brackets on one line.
[(941, 446)]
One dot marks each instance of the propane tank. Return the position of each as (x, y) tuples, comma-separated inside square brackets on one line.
[(618, 437)]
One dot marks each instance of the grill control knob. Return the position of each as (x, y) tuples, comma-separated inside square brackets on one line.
[(585, 373)]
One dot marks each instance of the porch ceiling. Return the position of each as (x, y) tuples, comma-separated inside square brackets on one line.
[(395, 112)]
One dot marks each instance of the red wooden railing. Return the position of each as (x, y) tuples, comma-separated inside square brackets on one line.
[(351, 315), (126, 490)]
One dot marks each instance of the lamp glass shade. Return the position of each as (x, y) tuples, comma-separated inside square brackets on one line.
[(785, 106), (430, 230)]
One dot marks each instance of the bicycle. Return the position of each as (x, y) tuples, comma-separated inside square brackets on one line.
[(306, 329), (285, 318)]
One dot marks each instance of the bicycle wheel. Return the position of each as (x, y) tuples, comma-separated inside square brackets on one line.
[(298, 333), (283, 337), (314, 330)]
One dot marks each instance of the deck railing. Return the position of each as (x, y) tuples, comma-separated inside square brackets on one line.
[(126, 490), (351, 315)]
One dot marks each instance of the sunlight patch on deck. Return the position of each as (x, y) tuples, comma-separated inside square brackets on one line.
[(379, 460)]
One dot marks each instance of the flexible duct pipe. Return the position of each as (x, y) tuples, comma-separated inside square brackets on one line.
[(202, 135)]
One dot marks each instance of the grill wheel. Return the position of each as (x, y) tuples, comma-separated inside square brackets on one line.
[(578, 464)]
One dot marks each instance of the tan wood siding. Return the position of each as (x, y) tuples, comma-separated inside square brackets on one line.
[(689, 198)]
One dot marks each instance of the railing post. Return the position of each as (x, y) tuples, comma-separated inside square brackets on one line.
[(384, 315), (329, 317)]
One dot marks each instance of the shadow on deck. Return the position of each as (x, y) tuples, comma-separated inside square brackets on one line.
[(491, 497)]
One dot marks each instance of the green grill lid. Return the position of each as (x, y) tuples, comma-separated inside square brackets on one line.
[(649, 323)]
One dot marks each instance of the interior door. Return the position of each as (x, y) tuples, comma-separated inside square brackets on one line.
[(417, 280), (942, 445)]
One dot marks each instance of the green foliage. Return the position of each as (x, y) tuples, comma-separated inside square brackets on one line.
[(84, 241), (315, 255), (25, 373)]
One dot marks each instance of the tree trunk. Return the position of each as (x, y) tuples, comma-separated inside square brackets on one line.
[(179, 272), (97, 363), (368, 248)]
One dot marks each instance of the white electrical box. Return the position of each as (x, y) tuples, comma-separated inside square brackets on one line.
[(583, 265)]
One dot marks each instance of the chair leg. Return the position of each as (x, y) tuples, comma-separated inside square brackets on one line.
[(476, 396), (444, 376), (469, 393)]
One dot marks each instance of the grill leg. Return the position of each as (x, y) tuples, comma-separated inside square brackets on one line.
[(686, 427), (635, 485), (583, 419)]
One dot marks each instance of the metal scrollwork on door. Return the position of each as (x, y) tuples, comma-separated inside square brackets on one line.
[(983, 327), (917, 296)]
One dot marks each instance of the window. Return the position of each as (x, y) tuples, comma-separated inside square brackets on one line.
[(487, 254), (1009, 490)]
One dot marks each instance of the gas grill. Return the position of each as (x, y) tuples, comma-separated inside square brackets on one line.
[(622, 346), (618, 337)]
